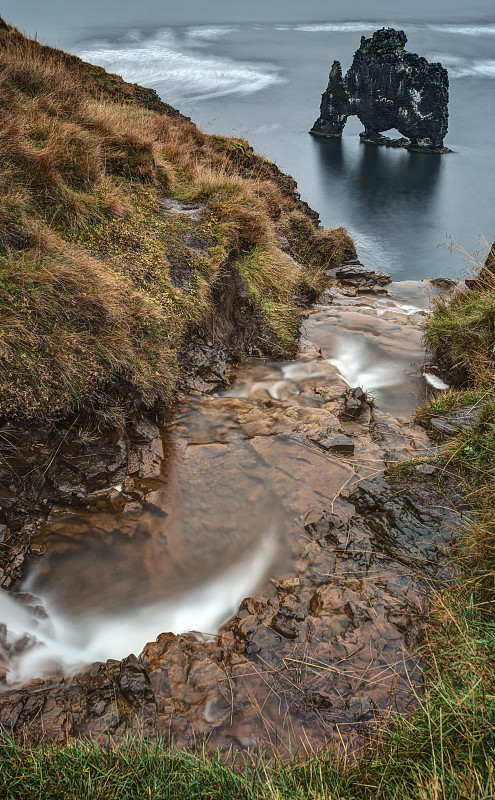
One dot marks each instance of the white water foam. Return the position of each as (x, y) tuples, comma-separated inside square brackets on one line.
[(353, 366), (354, 27), (337, 27), (458, 67), (211, 34), (435, 381), (465, 30), (399, 308), (164, 63), (59, 644), (287, 381)]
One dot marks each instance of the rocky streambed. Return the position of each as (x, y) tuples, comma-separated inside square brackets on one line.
[(253, 553)]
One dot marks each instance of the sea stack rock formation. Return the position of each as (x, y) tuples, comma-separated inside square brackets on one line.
[(387, 87)]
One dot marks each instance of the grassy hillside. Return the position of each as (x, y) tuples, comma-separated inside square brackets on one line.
[(100, 283)]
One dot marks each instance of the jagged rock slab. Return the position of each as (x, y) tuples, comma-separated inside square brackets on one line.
[(452, 422), (355, 274)]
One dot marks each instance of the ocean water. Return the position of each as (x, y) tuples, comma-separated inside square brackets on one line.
[(257, 70)]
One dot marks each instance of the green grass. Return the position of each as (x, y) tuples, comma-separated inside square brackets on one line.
[(273, 282), (444, 751), (462, 332)]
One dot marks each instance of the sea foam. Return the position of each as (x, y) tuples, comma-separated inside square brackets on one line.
[(164, 63)]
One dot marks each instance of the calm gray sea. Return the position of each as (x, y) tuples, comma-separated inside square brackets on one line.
[(258, 69)]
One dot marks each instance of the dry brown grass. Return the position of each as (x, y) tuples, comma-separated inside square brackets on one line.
[(90, 311)]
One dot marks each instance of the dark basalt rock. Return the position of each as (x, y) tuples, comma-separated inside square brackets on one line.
[(452, 422), (353, 404), (355, 274), (387, 87), (335, 106), (338, 444)]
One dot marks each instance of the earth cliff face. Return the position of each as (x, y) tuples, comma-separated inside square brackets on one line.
[(387, 87)]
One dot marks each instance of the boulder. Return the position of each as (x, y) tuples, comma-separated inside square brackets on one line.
[(338, 444), (353, 404), (355, 274)]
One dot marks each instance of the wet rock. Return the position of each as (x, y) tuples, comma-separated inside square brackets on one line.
[(413, 527), (452, 422), (291, 609), (355, 274), (119, 458), (443, 426), (338, 444), (288, 585), (322, 699), (205, 367), (265, 643), (352, 408), (353, 404), (321, 565), (444, 284), (283, 626), (425, 469), (359, 395), (361, 708), (134, 682), (387, 87), (288, 618), (132, 508), (149, 454)]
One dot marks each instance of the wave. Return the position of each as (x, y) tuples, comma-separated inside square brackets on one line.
[(163, 63), (464, 68), (465, 30), (484, 69), (337, 27), (351, 27), (210, 33)]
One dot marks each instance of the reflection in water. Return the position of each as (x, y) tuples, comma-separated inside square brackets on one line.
[(386, 188)]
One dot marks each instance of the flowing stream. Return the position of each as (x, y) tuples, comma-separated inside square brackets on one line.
[(222, 521)]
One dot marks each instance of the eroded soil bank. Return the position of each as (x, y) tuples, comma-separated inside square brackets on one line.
[(263, 518)]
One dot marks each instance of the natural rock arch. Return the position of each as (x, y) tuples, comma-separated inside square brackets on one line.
[(387, 87)]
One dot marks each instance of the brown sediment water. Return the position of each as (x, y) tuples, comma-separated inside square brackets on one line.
[(259, 498)]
